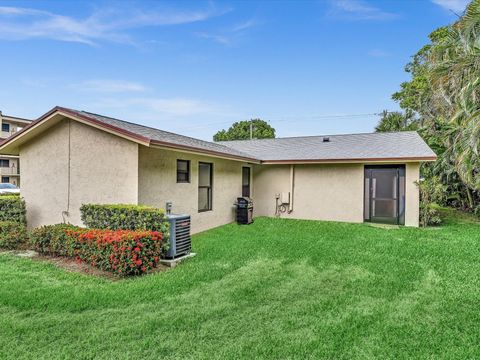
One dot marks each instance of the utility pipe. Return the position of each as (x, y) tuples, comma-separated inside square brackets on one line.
[(292, 187)]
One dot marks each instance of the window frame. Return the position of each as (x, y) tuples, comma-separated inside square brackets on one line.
[(183, 172), (7, 125), (249, 169), (209, 188), (7, 178), (4, 161)]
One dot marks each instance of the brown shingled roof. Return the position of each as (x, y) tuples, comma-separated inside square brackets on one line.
[(394, 146)]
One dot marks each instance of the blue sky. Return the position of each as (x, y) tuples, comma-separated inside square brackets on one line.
[(196, 67)]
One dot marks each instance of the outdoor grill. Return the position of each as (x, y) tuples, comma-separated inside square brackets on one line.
[(244, 210)]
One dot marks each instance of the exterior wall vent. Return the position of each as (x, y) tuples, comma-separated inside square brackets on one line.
[(180, 242), (326, 139)]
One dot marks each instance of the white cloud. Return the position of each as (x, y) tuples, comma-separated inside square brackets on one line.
[(244, 25), (229, 35), (175, 106), (18, 23), (109, 86), (359, 10), (378, 53), (454, 5), (221, 39)]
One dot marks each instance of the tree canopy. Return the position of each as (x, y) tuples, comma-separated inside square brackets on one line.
[(240, 130), (396, 121), (442, 101)]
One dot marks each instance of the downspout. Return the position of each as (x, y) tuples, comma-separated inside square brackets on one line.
[(292, 187), (66, 212)]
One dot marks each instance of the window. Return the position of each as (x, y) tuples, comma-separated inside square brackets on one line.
[(6, 127), (5, 163), (5, 179), (246, 181), (205, 175), (183, 171)]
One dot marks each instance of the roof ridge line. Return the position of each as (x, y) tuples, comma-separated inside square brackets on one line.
[(319, 136), (150, 127)]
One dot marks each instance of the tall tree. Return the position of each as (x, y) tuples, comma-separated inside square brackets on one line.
[(396, 121), (444, 96), (243, 130)]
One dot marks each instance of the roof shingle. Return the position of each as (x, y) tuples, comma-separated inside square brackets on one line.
[(390, 145), (164, 136), (407, 145)]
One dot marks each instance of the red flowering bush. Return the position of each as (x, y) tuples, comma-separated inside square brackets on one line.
[(54, 239), (125, 252)]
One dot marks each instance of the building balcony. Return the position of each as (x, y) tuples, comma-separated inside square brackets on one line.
[(9, 171), (6, 134)]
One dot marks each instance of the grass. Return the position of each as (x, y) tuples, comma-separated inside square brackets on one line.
[(275, 289)]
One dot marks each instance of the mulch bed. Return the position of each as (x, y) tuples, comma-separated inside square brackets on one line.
[(73, 265)]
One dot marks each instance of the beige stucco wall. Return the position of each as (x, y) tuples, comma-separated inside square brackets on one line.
[(331, 192), (412, 196), (158, 184), (103, 169), (322, 192)]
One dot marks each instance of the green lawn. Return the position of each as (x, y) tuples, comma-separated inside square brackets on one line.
[(275, 289)]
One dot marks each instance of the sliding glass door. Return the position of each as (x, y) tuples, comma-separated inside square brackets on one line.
[(385, 194)]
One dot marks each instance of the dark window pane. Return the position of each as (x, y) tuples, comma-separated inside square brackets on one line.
[(182, 165), (182, 177), (246, 181), (384, 208), (6, 127), (4, 163), (183, 171), (203, 199), (384, 184), (205, 174)]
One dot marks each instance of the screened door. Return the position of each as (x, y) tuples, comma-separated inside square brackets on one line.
[(385, 194)]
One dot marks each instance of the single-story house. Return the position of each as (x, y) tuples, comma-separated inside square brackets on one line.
[(72, 157)]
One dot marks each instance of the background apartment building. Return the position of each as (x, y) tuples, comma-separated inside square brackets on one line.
[(10, 165)]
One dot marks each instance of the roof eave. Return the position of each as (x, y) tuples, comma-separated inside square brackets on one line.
[(195, 150), (352, 160), (9, 142), (104, 126)]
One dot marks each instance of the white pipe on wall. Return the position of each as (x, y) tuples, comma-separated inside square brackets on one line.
[(292, 187)]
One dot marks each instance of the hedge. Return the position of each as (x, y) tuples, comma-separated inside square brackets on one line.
[(125, 252), (54, 240), (10, 194), (12, 208), (12, 234), (124, 217)]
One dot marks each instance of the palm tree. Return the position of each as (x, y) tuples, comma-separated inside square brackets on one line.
[(454, 76)]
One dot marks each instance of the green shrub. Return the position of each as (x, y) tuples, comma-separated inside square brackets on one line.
[(12, 234), (10, 194), (12, 208), (54, 239), (432, 192), (124, 217), (125, 252), (429, 215)]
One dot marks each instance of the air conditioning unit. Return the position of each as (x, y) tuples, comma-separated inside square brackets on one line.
[(180, 242)]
